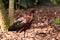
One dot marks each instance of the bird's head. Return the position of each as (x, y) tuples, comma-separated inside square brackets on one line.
[(32, 12)]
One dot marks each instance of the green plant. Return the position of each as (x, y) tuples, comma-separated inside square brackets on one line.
[(56, 21), (28, 3)]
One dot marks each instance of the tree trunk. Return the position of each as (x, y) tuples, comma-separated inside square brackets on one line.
[(11, 11), (3, 18), (19, 3)]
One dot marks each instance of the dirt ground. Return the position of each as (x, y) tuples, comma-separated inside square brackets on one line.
[(42, 27)]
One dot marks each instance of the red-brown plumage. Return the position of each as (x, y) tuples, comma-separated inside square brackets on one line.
[(29, 22), (22, 23)]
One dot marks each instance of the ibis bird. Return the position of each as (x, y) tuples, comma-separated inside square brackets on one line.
[(22, 23)]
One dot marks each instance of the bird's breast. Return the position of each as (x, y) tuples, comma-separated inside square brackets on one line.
[(28, 19)]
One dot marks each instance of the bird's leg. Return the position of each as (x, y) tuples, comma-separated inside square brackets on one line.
[(21, 30)]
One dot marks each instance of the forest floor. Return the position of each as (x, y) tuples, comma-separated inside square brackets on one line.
[(42, 27)]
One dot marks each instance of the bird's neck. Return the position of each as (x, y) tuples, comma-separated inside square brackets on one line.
[(31, 14)]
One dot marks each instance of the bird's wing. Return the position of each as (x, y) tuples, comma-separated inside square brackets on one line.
[(16, 26)]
